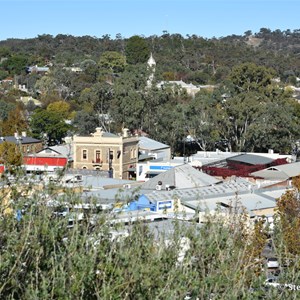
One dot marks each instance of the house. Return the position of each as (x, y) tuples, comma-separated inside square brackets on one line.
[(73, 69), (36, 69), (190, 88), (27, 144), (7, 81), (116, 154), (27, 100)]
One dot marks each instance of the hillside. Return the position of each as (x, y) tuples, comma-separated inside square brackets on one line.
[(174, 53)]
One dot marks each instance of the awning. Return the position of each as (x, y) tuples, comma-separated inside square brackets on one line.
[(146, 157), (153, 173)]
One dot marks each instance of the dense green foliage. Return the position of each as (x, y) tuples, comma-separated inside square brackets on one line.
[(106, 82), (50, 124)]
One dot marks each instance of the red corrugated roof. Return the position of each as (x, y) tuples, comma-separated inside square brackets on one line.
[(49, 161)]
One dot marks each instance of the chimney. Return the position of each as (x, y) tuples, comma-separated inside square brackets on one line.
[(24, 134), (16, 135), (125, 132)]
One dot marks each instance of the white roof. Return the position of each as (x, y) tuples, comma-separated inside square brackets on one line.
[(65, 149), (146, 143)]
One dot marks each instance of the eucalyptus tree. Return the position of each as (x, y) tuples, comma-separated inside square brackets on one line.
[(259, 114), (112, 61), (200, 120), (128, 100), (15, 64), (154, 100), (170, 126), (85, 122), (97, 100), (5, 108), (249, 77), (137, 50), (277, 127), (58, 81), (237, 115)]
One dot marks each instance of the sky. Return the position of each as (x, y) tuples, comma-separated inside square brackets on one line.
[(206, 18)]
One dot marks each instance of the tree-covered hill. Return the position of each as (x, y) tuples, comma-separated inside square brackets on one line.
[(173, 52), (107, 82)]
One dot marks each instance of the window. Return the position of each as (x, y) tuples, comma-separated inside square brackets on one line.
[(110, 156), (84, 154), (98, 157)]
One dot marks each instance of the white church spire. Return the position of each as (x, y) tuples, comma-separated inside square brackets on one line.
[(151, 64)]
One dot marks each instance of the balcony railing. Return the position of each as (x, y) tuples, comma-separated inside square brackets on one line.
[(97, 161)]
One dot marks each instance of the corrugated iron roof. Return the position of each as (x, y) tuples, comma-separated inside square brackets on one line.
[(238, 186), (182, 176), (149, 144), (251, 159), (249, 201), (281, 172), (22, 139)]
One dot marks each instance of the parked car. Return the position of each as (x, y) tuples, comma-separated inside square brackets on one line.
[(272, 263)]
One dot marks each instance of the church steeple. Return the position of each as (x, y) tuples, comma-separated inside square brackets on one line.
[(151, 62), (151, 65)]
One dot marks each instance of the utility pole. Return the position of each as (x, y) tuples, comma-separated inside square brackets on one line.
[(110, 169)]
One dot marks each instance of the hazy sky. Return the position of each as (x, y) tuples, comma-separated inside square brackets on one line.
[(206, 18)]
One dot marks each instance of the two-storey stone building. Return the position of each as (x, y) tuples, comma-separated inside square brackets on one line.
[(117, 154)]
